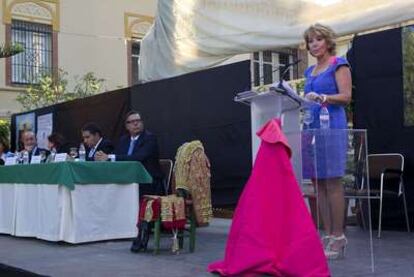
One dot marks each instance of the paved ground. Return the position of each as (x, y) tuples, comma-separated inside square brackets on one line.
[(394, 256)]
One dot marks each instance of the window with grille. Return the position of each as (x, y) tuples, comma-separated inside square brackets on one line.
[(36, 60), (135, 49), (268, 66)]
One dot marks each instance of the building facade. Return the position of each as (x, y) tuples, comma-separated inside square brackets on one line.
[(77, 36)]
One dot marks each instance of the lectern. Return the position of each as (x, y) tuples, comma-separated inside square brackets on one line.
[(276, 102), (311, 156)]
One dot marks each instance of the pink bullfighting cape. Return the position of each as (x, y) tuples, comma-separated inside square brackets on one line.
[(272, 231)]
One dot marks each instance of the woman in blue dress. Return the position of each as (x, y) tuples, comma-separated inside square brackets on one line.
[(329, 83)]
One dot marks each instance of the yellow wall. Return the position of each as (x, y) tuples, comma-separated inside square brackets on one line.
[(91, 37)]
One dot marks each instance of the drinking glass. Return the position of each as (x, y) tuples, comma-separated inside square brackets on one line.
[(42, 156), (307, 116), (73, 152)]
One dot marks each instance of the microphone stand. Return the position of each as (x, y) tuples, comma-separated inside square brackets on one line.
[(280, 87)]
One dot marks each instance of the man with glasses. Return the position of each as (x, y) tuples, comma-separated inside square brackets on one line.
[(139, 145)]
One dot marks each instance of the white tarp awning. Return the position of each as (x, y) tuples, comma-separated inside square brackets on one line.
[(191, 35)]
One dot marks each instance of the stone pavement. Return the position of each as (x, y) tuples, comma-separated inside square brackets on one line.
[(393, 256)]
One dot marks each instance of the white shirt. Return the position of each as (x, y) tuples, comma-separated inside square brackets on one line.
[(93, 150), (135, 138), (112, 157)]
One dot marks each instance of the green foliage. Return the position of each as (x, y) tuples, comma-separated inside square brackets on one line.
[(408, 75), (51, 90), (88, 85), (300, 86), (4, 130), (48, 91), (8, 50)]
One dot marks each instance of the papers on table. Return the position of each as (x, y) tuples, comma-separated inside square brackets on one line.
[(61, 157), (10, 161), (36, 159)]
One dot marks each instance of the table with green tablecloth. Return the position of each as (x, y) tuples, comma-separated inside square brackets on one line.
[(71, 201)]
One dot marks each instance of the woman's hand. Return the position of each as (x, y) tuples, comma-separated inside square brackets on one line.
[(313, 96)]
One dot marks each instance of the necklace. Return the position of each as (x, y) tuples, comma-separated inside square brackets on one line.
[(316, 71)]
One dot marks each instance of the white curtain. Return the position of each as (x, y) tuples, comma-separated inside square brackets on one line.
[(191, 35)]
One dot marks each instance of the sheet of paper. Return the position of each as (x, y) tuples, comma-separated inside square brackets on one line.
[(61, 157), (36, 159), (10, 161)]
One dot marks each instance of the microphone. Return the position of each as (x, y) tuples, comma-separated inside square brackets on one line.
[(286, 69), (287, 66)]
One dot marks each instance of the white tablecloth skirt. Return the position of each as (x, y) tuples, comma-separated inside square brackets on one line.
[(54, 213)]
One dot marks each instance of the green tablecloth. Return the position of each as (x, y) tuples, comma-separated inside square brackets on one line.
[(71, 173)]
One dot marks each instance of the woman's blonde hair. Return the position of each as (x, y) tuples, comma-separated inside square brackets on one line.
[(325, 32)]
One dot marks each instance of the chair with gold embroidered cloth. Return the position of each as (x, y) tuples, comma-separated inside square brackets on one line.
[(192, 175)]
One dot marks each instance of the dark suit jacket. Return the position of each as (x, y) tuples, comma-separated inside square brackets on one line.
[(145, 151), (105, 146)]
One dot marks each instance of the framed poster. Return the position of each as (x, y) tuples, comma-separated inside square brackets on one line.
[(44, 129)]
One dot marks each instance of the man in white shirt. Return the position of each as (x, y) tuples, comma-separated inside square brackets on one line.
[(94, 141)]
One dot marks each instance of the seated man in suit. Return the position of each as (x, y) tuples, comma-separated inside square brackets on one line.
[(30, 145), (140, 145), (94, 141)]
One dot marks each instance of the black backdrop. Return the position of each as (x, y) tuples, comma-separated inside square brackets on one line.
[(194, 106), (201, 106), (376, 61)]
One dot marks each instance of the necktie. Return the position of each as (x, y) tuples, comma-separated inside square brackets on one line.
[(91, 153), (131, 146)]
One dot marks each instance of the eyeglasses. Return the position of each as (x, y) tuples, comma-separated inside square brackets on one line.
[(133, 121)]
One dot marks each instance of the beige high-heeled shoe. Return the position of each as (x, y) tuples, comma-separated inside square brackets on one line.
[(336, 247), (325, 240)]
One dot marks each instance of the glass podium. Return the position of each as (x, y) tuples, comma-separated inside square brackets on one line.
[(332, 168)]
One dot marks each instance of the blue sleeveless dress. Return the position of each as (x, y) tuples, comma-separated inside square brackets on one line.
[(324, 151)]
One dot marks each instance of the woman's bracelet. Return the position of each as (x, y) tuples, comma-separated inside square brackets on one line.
[(324, 98)]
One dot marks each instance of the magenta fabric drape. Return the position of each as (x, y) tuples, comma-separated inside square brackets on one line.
[(272, 231)]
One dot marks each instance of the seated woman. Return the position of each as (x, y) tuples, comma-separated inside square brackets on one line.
[(56, 143), (4, 148)]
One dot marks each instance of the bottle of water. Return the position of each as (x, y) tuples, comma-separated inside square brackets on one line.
[(52, 156), (25, 157), (324, 117), (82, 153)]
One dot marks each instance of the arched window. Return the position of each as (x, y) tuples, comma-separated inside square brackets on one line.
[(136, 26), (34, 25)]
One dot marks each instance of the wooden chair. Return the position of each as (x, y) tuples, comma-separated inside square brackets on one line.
[(189, 230), (166, 168)]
